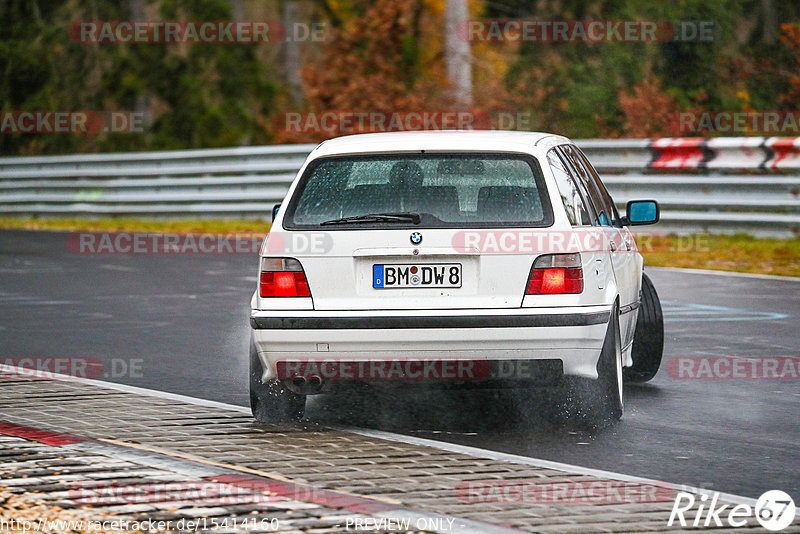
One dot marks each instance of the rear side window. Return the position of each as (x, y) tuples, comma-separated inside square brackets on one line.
[(446, 190), (598, 183), (604, 213), (574, 205)]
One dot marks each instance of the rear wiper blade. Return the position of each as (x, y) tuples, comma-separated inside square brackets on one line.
[(375, 217)]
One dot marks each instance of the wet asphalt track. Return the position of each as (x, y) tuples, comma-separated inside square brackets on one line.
[(182, 322)]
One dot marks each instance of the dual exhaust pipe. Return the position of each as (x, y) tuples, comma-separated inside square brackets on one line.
[(305, 386)]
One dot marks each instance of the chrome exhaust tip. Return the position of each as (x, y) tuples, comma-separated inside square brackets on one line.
[(305, 385), (315, 381), (299, 381)]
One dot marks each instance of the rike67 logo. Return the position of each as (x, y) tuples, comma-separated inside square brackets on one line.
[(774, 510)]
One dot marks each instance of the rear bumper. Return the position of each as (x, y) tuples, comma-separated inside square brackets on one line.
[(572, 335), (375, 322)]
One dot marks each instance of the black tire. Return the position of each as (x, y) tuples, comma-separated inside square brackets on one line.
[(648, 339), (272, 402), (596, 402)]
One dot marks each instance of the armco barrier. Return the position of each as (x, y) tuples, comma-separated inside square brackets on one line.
[(747, 184)]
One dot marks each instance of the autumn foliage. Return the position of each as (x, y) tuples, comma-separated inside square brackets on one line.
[(791, 38), (389, 57), (372, 64), (648, 111)]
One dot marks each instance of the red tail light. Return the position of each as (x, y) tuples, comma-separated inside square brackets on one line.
[(282, 277), (555, 274)]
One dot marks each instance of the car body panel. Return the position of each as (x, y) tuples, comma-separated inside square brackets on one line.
[(493, 279)]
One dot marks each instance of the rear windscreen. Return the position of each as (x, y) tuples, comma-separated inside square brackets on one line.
[(446, 190)]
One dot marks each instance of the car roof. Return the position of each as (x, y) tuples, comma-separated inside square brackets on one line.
[(439, 140)]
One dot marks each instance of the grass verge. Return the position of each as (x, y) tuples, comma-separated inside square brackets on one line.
[(738, 253)]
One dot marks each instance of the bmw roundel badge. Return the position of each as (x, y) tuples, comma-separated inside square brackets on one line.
[(416, 238)]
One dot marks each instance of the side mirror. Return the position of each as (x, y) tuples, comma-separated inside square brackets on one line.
[(275, 209), (640, 212)]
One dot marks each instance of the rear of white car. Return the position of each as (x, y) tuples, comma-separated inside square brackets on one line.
[(456, 258)]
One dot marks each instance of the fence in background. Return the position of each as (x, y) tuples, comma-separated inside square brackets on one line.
[(749, 185)]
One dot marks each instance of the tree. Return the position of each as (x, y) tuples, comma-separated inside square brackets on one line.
[(791, 38), (648, 110), (200, 94)]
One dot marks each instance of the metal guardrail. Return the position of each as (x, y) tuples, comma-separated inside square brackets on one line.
[(716, 185)]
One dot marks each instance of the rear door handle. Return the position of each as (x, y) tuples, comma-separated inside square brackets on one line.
[(628, 243)]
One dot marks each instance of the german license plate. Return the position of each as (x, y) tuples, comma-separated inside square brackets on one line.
[(411, 275)]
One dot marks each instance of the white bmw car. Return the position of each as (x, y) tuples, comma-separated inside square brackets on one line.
[(460, 259)]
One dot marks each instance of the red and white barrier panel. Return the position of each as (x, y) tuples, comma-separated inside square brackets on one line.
[(785, 152), (736, 152), (725, 153), (678, 153)]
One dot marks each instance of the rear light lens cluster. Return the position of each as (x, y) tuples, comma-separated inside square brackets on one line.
[(282, 277), (556, 274)]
